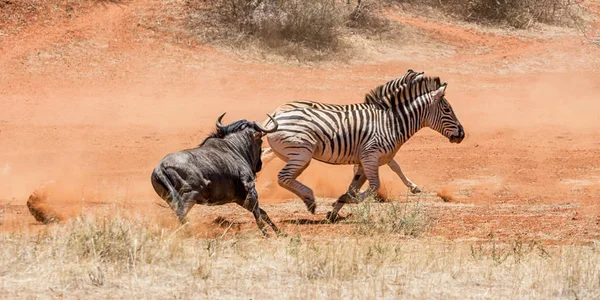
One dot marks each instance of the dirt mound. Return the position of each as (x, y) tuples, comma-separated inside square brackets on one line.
[(39, 206), (447, 194)]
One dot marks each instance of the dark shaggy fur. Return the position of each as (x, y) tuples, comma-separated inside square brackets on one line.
[(222, 169), (220, 133)]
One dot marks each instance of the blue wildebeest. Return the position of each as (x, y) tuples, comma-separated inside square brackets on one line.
[(221, 170)]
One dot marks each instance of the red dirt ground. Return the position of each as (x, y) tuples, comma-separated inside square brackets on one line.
[(94, 101)]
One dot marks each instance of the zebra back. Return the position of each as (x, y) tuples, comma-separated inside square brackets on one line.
[(379, 97), (318, 105)]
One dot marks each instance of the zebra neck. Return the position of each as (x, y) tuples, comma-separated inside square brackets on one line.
[(405, 124)]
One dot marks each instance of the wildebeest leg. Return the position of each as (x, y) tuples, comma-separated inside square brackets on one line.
[(357, 181), (188, 199), (251, 204), (179, 201), (297, 162), (396, 168), (268, 220)]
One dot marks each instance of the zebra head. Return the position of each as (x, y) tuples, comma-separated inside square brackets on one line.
[(441, 117)]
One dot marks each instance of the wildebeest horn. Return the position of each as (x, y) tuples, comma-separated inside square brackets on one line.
[(267, 130), (219, 125)]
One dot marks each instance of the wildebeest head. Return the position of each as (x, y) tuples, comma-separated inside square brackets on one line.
[(252, 133)]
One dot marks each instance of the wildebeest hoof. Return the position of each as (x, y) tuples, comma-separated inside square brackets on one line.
[(415, 190)]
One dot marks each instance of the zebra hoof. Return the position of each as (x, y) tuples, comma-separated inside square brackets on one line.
[(345, 198), (332, 218), (311, 207), (415, 190)]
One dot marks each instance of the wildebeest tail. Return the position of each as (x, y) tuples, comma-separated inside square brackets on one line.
[(164, 188)]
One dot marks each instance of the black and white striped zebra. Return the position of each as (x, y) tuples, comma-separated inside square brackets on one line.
[(380, 97), (368, 137)]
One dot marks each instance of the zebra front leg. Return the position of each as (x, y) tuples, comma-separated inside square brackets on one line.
[(287, 179), (357, 181), (396, 168), (370, 166)]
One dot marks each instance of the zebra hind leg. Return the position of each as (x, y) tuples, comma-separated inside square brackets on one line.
[(296, 164)]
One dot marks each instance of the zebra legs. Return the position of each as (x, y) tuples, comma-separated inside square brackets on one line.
[(287, 178), (370, 167), (396, 168), (268, 155), (370, 172), (357, 181)]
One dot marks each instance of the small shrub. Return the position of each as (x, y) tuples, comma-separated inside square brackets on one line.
[(303, 29), (513, 13), (518, 13), (363, 18), (390, 218)]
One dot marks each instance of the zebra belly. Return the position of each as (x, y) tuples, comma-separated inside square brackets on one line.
[(326, 158)]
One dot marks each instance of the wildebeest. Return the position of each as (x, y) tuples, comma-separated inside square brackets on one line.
[(221, 170)]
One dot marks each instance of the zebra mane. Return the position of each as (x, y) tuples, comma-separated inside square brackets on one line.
[(394, 90)]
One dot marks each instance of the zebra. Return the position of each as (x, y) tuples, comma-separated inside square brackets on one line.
[(378, 97), (367, 137)]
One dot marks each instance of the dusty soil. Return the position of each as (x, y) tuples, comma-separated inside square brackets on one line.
[(95, 100)]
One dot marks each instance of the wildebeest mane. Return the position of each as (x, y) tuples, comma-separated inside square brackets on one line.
[(222, 132)]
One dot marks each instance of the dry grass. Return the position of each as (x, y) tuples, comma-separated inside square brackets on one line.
[(21, 12), (394, 218), (17, 14), (129, 256), (304, 30), (520, 14)]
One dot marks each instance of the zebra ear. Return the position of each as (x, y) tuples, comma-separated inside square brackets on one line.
[(439, 93)]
